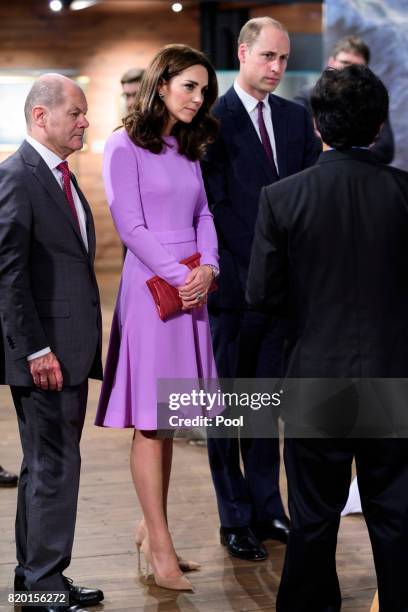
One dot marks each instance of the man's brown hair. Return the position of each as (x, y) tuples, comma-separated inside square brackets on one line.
[(133, 75), (352, 44), (149, 115)]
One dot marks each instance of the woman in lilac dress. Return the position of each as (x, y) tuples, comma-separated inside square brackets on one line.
[(155, 191)]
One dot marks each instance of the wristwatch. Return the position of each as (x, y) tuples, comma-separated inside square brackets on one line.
[(214, 270)]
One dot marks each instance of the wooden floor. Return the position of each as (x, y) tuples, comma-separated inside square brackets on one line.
[(104, 552)]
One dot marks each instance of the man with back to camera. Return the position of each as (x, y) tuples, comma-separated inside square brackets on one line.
[(130, 82), (262, 139), (51, 330), (346, 52), (330, 250)]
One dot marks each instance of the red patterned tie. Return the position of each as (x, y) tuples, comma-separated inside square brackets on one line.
[(66, 178)]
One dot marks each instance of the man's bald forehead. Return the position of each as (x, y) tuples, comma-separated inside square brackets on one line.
[(49, 90), (252, 29)]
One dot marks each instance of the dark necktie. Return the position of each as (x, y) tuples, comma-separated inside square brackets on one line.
[(265, 138), (66, 179)]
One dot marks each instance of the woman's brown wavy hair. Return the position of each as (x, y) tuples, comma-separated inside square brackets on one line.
[(149, 117)]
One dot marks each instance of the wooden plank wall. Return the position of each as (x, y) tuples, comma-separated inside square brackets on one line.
[(101, 46), (299, 18)]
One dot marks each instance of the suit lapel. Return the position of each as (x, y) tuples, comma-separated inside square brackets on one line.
[(44, 175), (90, 227), (279, 123), (246, 133)]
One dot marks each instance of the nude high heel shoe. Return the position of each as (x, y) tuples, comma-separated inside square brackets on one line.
[(173, 583), (187, 566), (184, 564)]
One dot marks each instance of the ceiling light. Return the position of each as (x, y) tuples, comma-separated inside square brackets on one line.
[(78, 5), (177, 7), (56, 5)]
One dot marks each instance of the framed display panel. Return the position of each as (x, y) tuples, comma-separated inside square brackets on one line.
[(14, 87)]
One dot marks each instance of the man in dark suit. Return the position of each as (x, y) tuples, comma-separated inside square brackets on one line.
[(262, 139), (330, 250), (51, 327), (347, 51)]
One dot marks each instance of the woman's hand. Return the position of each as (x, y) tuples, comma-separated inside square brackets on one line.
[(194, 292)]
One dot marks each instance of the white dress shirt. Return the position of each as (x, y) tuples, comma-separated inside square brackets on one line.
[(52, 160), (250, 103)]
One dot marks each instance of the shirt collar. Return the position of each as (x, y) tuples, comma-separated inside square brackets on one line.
[(51, 159), (249, 102)]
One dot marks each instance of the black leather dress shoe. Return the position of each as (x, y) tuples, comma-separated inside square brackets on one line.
[(77, 595), (242, 543), (82, 595), (278, 529), (7, 479), (19, 584)]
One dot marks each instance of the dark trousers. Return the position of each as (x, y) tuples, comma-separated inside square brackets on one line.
[(50, 425), (246, 344), (319, 473)]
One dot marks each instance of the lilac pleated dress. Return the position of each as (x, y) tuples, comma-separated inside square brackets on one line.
[(160, 210)]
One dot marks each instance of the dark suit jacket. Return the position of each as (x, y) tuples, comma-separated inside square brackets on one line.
[(330, 251), (236, 168), (48, 290), (383, 148)]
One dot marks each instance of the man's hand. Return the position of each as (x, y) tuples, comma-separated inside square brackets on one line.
[(46, 372)]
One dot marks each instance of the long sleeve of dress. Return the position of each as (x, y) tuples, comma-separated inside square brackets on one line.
[(121, 178), (207, 243)]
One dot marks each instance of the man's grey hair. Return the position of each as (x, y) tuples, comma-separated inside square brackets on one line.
[(252, 28), (45, 92)]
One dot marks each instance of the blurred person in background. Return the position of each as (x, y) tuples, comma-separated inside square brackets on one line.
[(130, 82), (347, 51)]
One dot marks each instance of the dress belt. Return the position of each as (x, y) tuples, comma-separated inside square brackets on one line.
[(176, 236)]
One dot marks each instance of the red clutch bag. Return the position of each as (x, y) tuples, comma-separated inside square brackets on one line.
[(166, 296)]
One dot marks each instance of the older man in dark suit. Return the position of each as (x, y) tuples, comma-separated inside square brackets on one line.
[(51, 327), (262, 139), (330, 250)]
